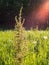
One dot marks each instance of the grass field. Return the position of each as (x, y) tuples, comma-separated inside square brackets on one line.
[(38, 46)]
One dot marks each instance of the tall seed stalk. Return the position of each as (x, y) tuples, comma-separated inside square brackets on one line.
[(21, 46)]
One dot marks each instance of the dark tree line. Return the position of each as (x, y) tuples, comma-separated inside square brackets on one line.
[(10, 8), (15, 5)]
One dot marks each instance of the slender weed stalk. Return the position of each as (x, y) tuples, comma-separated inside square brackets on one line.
[(20, 39)]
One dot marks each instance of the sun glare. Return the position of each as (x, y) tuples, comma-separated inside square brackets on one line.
[(42, 12)]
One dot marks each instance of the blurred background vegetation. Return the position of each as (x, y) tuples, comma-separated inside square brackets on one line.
[(10, 8)]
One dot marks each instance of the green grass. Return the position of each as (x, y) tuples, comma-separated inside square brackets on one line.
[(6, 48), (38, 46)]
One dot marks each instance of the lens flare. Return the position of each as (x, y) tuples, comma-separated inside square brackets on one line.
[(39, 16), (41, 13)]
